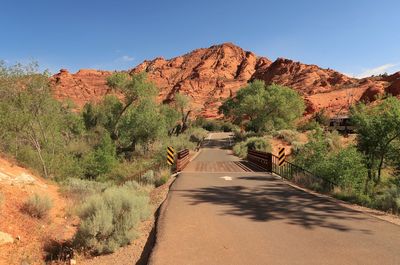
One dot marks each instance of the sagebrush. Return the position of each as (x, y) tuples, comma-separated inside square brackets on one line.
[(109, 219), (253, 143), (38, 206)]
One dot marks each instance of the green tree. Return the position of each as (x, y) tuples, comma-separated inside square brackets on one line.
[(134, 89), (312, 156), (104, 114), (348, 170), (142, 124), (181, 103), (34, 124), (264, 108), (342, 166), (102, 159), (377, 129), (171, 117)]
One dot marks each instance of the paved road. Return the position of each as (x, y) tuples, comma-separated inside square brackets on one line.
[(255, 218)]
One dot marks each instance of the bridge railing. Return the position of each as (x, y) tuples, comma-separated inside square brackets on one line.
[(182, 159), (290, 171)]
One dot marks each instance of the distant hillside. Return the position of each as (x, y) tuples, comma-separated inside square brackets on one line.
[(210, 75)]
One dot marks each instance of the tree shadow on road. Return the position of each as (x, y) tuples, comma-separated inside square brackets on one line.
[(274, 200)]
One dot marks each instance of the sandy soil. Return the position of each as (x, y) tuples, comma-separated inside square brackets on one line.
[(17, 185)]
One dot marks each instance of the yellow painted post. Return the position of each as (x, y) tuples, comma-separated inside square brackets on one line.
[(170, 155), (281, 156)]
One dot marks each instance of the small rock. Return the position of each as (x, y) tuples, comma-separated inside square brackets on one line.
[(72, 262), (5, 238)]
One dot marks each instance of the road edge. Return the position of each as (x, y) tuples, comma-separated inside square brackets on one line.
[(380, 215), (152, 238)]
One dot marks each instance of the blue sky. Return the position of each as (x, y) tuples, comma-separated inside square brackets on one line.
[(355, 37)]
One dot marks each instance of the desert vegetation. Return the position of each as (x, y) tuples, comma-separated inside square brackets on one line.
[(109, 219), (363, 169), (106, 157), (38, 206)]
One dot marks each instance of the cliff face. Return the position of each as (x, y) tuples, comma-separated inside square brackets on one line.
[(210, 75), (207, 76), (81, 87)]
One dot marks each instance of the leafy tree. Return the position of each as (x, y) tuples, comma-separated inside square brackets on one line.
[(142, 124), (342, 166), (171, 117), (312, 155), (264, 108), (104, 114), (378, 127), (181, 104), (348, 170), (31, 120), (134, 88), (89, 115), (102, 159)]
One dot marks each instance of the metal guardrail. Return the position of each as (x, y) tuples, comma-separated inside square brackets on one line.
[(261, 159), (290, 171), (182, 159)]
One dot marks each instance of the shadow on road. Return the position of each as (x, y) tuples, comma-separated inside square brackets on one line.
[(274, 200)]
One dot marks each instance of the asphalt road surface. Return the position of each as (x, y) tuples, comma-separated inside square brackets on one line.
[(220, 212)]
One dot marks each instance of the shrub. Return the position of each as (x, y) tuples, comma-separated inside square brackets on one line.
[(127, 168), (321, 117), (132, 185), (102, 160), (65, 166), (162, 177), (148, 177), (161, 181), (322, 155), (308, 125), (109, 219), (229, 127), (296, 147), (211, 125), (388, 200), (253, 143), (197, 135), (348, 170), (288, 136), (79, 189), (38, 206), (177, 142), (360, 199)]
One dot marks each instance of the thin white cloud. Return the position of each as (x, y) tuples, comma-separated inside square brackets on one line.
[(125, 58), (386, 68)]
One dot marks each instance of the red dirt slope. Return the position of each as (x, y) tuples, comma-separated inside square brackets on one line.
[(16, 186)]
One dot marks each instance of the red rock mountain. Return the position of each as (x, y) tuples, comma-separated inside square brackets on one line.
[(210, 75)]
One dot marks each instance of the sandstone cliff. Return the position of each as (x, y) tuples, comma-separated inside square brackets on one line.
[(210, 75)]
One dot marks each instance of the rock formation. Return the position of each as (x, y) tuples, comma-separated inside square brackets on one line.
[(210, 75)]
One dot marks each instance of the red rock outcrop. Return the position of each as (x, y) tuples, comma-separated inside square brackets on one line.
[(210, 75), (307, 79), (394, 87), (81, 87), (207, 76)]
